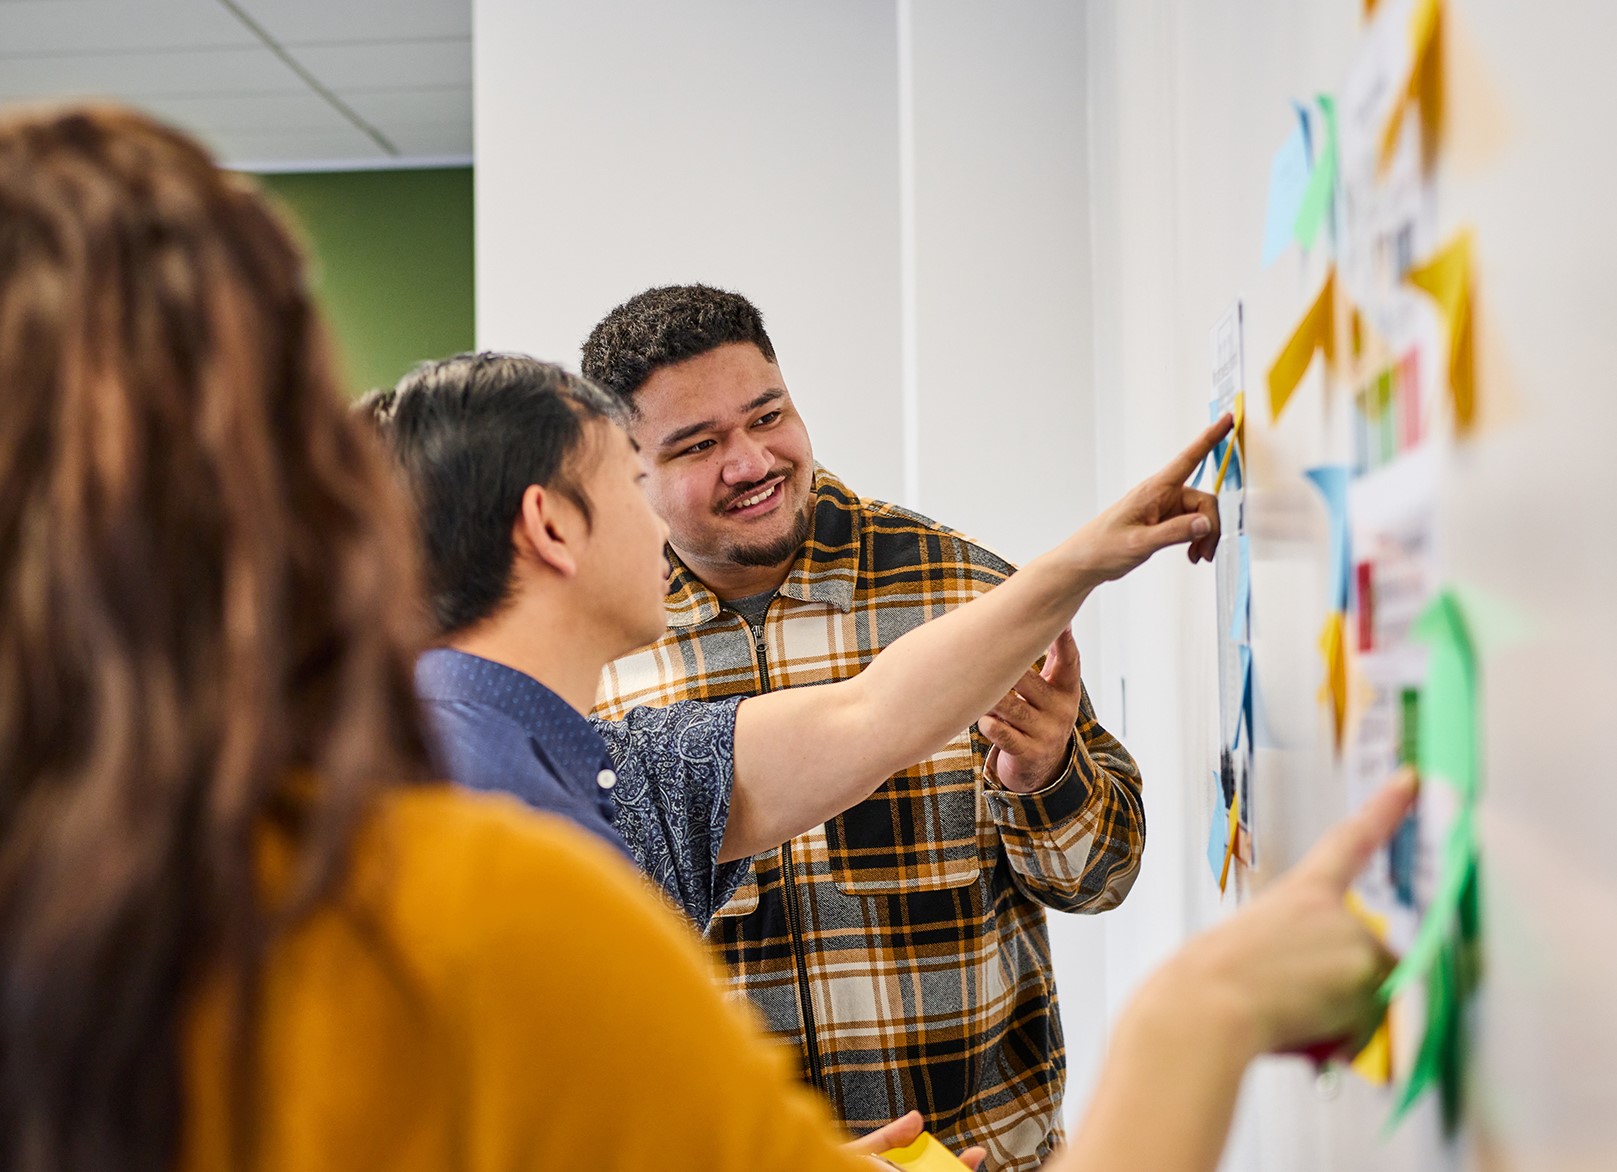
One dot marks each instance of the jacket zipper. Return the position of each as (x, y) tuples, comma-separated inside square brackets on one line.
[(794, 932)]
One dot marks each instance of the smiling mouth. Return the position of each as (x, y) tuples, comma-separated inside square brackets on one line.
[(757, 499)]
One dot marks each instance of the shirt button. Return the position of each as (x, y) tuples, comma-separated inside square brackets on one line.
[(606, 779)]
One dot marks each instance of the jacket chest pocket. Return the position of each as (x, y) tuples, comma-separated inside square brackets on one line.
[(918, 832)]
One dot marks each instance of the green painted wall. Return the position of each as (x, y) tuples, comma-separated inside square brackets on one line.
[(392, 263)]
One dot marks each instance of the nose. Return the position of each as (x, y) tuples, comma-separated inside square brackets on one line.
[(745, 460)]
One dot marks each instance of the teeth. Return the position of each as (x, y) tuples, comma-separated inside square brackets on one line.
[(754, 500)]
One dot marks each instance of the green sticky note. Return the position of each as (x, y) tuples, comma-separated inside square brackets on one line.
[(1321, 181), (1452, 1041), (1429, 1061), (1457, 871), (1449, 732), (1452, 975), (1471, 905)]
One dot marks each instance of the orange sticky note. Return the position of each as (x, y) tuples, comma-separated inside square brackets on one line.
[(926, 1154), (1425, 85), (1334, 691), (1317, 331), (1236, 434), (1235, 833), (1447, 277)]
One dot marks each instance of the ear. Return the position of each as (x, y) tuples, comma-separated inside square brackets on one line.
[(549, 529)]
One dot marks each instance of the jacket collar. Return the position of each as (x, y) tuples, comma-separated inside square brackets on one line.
[(826, 569)]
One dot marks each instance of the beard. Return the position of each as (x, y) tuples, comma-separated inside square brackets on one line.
[(782, 548)]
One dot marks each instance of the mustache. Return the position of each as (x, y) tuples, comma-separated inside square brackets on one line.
[(784, 474)]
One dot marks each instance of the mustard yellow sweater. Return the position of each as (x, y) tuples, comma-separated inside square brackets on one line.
[(495, 991)]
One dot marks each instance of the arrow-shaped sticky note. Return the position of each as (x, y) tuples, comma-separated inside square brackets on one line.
[(1449, 731), (1217, 832), (1243, 588), (1459, 858), (1321, 181), (1425, 86), (1374, 1062), (1317, 331), (1229, 845), (1448, 278), (1334, 690), (1233, 448), (1244, 708), (1332, 482), (1288, 185)]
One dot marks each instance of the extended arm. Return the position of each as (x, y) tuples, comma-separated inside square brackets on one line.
[(806, 754)]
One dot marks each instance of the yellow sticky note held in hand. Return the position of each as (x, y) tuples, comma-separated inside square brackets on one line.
[(924, 1155)]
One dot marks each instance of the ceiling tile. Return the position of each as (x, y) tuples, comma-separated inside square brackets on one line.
[(300, 22), (386, 109), (256, 149), (432, 142), (402, 66), (390, 65), (289, 113), (30, 27), (138, 75)]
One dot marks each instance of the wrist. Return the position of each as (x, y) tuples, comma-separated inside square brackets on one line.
[(1067, 574), (1193, 1000)]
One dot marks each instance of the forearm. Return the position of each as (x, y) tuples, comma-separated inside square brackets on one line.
[(1167, 1091), (804, 755), (939, 678)]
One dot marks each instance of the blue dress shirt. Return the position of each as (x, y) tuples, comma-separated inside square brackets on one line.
[(656, 784)]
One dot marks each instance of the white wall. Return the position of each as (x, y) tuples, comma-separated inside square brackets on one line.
[(1002, 355), (623, 144)]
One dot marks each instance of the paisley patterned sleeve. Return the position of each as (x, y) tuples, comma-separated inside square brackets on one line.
[(675, 768)]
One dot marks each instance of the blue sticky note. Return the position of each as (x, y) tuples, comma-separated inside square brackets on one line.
[(1201, 469), (1332, 482), (1218, 830), (1288, 181), (1245, 704), (1243, 589)]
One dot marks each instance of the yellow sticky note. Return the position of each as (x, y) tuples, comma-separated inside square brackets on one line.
[(1447, 277), (1235, 833), (1374, 1062), (1317, 331), (924, 1155), (1236, 434), (1334, 691), (1425, 85)]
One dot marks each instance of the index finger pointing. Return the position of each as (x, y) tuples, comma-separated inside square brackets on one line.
[(1341, 854), (1180, 468)]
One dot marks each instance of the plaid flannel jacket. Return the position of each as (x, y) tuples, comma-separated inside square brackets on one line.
[(901, 947)]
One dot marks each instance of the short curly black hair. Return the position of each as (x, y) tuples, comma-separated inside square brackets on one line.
[(666, 325)]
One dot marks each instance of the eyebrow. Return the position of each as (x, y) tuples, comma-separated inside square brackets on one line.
[(685, 433)]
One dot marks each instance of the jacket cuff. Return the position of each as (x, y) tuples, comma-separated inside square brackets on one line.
[(1063, 798)]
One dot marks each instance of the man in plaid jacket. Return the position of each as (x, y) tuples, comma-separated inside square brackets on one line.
[(901, 947)]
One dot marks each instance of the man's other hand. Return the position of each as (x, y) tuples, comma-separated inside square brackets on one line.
[(1032, 726)]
